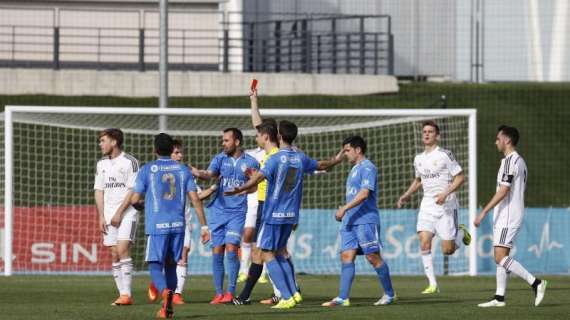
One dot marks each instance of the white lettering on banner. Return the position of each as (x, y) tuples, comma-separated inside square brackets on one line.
[(304, 243), (393, 241), (333, 250), (545, 243), (42, 252), (481, 246)]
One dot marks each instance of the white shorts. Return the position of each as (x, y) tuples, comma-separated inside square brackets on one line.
[(251, 215), (126, 231), (504, 237), (444, 226), (188, 235)]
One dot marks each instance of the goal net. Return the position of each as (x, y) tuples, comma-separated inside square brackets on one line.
[(49, 221)]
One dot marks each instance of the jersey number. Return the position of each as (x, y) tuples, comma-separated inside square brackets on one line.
[(290, 179), (171, 180)]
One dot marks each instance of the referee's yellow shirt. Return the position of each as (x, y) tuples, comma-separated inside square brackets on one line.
[(262, 187)]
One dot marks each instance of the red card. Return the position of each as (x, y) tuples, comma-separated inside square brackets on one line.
[(253, 84)]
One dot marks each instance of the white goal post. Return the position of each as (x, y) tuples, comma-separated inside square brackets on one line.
[(343, 123)]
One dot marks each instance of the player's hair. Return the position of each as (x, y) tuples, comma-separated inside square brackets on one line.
[(431, 123), (288, 131), (236, 133), (268, 128), (163, 144), (510, 132), (176, 144), (113, 133), (356, 142)]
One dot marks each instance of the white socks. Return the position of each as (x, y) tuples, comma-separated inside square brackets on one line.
[(117, 275), (501, 280), (126, 275), (515, 267), (427, 261), (181, 271), (245, 257)]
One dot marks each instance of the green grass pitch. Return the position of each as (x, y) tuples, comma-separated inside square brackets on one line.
[(89, 297)]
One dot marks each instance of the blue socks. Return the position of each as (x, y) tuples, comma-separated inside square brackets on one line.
[(278, 276), (157, 275), (218, 271), (288, 273), (233, 269), (384, 276), (346, 278), (170, 275)]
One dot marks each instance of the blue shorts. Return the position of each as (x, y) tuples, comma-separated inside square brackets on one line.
[(161, 246), (364, 238), (273, 237), (227, 229)]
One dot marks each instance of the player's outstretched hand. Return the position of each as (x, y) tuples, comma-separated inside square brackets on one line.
[(204, 235), (340, 155), (103, 226), (339, 214), (479, 219), (403, 199), (116, 220)]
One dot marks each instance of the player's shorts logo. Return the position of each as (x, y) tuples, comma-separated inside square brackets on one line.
[(154, 168)]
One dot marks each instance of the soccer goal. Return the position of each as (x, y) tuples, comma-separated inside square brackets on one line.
[(49, 156)]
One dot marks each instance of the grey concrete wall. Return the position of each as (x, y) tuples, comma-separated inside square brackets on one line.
[(195, 84)]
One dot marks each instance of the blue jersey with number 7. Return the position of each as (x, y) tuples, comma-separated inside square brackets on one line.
[(165, 184), (285, 172)]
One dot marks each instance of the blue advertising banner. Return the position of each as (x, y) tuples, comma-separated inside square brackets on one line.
[(541, 245)]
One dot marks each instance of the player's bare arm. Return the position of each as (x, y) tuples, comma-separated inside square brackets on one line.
[(99, 197), (205, 194), (197, 204), (203, 174), (414, 187), (457, 182), (255, 179), (135, 198), (118, 216), (498, 197), (358, 199), (255, 115), (327, 164)]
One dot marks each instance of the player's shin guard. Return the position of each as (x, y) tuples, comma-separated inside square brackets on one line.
[(515, 267), (126, 275), (245, 257), (278, 277), (117, 275), (252, 277), (233, 269), (218, 272), (170, 275), (501, 281), (288, 272), (346, 278), (157, 275), (427, 261), (384, 276), (181, 275)]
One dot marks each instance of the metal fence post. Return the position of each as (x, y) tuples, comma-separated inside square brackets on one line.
[(251, 48), (306, 56), (334, 45), (226, 49), (277, 46), (141, 50), (362, 46), (347, 53), (56, 48)]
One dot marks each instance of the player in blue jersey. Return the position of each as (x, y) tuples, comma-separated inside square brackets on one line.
[(284, 172), (165, 185), (360, 229), (227, 213)]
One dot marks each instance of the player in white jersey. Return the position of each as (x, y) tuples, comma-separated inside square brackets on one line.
[(508, 204), (250, 222), (182, 265), (114, 180), (439, 174)]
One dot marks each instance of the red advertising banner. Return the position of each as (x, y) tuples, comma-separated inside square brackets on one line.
[(56, 239)]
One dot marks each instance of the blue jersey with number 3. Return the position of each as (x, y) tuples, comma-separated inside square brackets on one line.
[(284, 172), (165, 183)]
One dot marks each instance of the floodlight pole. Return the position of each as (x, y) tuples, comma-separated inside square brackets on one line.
[(163, 63)]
